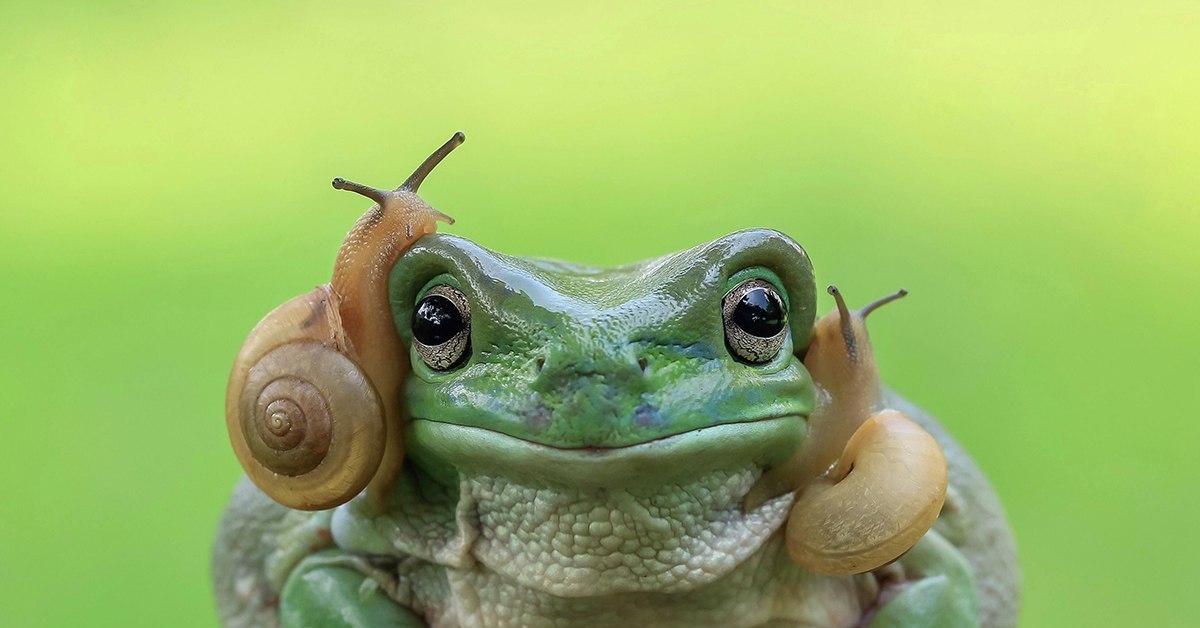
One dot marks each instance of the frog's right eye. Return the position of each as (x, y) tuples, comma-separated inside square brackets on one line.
[(755, 318), (441, 327)]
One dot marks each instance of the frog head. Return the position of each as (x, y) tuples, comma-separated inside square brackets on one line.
[(598, 425), (560, 370)]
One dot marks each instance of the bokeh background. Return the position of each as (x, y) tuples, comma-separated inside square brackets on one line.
[(1027, 171)]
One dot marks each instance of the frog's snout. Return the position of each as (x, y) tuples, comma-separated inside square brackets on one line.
[(595, 398), (603, 384), (560, 370)]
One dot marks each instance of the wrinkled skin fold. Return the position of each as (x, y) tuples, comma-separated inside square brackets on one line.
[(596, 459)]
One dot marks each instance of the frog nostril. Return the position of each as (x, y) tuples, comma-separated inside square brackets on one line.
[(538, 417), (648, 415), (539, 364), (643, 364)]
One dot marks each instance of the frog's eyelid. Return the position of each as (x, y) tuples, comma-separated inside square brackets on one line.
[(762, 273), (444, 278)]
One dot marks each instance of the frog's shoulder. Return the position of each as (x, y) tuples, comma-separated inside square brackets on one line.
[(258, 542), (425, 521)]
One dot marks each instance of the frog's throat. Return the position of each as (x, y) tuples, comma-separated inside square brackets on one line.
[(762, 443)]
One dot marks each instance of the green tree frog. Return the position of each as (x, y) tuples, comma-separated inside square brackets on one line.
[(445, 435)]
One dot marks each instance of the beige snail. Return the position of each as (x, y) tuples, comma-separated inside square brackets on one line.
[(313, 402), (869, 481)]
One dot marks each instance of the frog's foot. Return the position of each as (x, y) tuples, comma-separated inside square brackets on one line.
[(332, 588), (930, 586)]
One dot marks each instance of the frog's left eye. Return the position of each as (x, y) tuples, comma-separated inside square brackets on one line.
[(755, 321), (441, 327)]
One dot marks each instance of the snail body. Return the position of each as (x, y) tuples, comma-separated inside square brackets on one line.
[(869, 481), (683, 431)]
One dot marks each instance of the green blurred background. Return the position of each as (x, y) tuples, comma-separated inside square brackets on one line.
[(1028, 172)]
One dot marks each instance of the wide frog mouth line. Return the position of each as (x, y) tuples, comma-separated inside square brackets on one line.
[(760, 442)]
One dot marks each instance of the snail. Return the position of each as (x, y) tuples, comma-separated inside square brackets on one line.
[(565, 424), (869, 481), (313, 401)]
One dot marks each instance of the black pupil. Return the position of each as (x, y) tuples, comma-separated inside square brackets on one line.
[(759, 313), (436, 320)]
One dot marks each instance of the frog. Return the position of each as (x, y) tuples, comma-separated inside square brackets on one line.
[(601, 447)]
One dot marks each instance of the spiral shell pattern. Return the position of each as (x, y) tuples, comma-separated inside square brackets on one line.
[(288, 425), (305, 422)]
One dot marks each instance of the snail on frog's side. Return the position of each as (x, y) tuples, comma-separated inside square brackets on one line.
[(450, 436)]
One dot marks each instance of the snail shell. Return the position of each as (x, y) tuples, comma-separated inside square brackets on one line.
[(880, 498), (305, 421), (869, 481)]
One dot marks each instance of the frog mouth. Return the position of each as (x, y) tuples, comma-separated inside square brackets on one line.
[(761, 442)]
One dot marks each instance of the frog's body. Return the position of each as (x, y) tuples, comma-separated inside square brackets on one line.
[(588, 464)]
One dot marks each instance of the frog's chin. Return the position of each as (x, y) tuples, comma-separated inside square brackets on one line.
[(758, 443)]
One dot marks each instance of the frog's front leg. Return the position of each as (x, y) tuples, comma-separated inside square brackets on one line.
[(332, 588), (934, 589)]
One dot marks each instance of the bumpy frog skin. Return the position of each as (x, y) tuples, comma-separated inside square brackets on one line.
[(587, 465)]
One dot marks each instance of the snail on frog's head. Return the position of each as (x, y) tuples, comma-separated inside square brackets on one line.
[(313, 402)]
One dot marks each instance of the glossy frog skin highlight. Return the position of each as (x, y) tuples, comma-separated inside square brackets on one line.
[(577, 358), (578, 446)]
